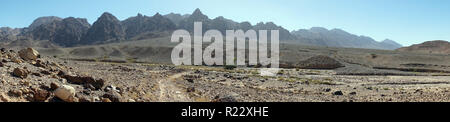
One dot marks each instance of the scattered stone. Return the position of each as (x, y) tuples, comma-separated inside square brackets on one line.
[(197, 71), (16, 60), (131, 100), (41, 95), (87, 91), (84, 99), (1, 64), (62, 73), (26, 90), (111, 88), (352, 93), (53, 86), (17, 93), (190, 80), (4, 98), (89, 86), (113, 96), (338, 93), (36, 74), (95, 99), (22, 73), (45, 72), (227, 98), (327, 90), (106, 100), (190, 89), (98, 84), (45, 87), (26, 83), (29, 54), (66, 93), (39, 63)]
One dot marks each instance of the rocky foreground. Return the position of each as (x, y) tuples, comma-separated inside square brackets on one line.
[(28, 77)]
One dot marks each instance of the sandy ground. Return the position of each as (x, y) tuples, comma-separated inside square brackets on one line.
[(144, 82)]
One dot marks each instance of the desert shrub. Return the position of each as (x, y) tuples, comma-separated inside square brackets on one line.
[(229, 67)]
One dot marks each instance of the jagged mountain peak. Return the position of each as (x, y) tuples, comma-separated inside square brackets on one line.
[(197, 12), (107, 28), (198, 15), (157, 15), (107, 16)]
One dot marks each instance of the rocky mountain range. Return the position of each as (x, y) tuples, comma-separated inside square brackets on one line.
[(71, 31), (340, 38)]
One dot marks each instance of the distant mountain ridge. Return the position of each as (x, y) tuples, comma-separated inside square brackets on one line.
[(429, 47), (340, 38), (77, 31)]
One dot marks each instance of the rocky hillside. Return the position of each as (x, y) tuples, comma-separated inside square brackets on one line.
[(430, 47)]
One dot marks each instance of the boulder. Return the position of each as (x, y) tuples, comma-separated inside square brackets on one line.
[(16, 92), (339, 93), (22, 73), (85, 80), (16, 60), (4, 98), (39, 63), (40, 95), (112, 88), (65, 93), (106, 100), (29, 54), (53, 86), (113, 96)]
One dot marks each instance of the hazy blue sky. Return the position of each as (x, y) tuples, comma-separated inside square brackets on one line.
[(405, 21)]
